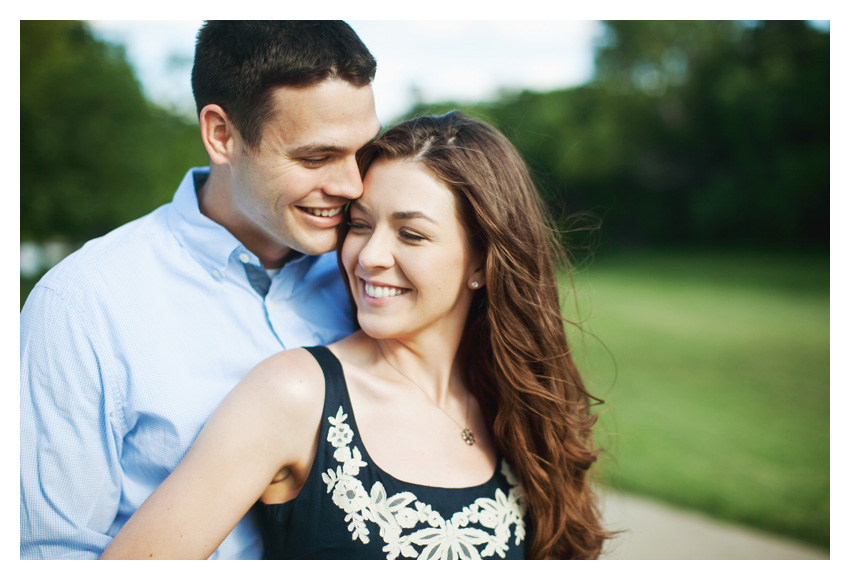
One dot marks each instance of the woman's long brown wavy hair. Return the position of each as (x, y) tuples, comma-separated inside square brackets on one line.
[(516, 358)]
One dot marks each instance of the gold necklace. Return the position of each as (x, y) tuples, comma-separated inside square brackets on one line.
[(465, 432)]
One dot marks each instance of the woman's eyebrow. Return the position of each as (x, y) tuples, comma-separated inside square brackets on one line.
[(360, 207), (410, 215), (399, 215)]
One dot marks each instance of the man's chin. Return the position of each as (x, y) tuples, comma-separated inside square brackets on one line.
[(316, 248)]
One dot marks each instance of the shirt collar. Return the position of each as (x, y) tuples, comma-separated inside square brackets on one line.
[(210, 243)]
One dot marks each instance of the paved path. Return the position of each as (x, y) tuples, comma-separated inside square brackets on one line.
[(659, 532)]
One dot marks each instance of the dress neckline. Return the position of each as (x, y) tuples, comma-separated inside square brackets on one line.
[(347, 404)]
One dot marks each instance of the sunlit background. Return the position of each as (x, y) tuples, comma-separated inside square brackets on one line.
[(417, 60), (686, 162)]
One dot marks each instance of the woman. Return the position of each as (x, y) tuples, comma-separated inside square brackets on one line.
[(454, 424)]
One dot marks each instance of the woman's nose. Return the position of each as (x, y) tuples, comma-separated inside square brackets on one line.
[(376, 253)]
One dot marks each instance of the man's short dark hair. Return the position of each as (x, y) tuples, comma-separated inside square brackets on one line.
[(239, 63)]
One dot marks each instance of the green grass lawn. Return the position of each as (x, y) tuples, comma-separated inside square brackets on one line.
[(715, 374)]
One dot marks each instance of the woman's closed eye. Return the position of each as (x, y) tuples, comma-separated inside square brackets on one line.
[(357, 226), (412, 236)]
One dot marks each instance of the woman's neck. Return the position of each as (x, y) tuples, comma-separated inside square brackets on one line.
[(430, 365)]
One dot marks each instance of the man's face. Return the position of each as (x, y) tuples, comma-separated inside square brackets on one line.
[(290, 191)]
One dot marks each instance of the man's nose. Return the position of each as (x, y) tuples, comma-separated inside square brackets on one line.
[(344, 180)]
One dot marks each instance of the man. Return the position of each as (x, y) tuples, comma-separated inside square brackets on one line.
[(129, 344)]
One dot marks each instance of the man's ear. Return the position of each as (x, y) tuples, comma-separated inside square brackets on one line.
[(218, 134)]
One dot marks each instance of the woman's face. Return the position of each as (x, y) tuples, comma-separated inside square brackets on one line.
[(406, 254)]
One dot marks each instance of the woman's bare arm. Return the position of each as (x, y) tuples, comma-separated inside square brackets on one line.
[(268, 422)]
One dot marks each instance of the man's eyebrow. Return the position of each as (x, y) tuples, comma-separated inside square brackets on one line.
[(311, 148)]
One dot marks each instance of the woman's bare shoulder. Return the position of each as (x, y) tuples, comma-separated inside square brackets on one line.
[(290, 385), (289, 373)]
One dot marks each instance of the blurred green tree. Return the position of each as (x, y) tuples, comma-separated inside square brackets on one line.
[(94, 152), (760, 131), (713, 133), (695, 133)]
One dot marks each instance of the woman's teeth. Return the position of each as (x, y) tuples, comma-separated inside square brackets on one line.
[(323, 212), (382, 291)]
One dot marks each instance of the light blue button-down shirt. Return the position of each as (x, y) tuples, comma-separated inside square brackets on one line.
[(127, 346)]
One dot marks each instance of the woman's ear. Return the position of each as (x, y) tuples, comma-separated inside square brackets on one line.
[(477, 279), (218, 134)]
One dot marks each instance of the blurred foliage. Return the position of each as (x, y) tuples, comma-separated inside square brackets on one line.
[(94, 152), (692, 133)]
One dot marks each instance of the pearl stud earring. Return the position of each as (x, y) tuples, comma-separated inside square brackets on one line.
[(474, 285)]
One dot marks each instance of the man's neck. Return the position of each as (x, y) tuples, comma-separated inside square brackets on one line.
[(215, 201)]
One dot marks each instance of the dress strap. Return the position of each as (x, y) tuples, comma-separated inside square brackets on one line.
[(336, 392)]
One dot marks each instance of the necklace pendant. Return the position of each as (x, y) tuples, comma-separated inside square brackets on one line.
[(468, 436)]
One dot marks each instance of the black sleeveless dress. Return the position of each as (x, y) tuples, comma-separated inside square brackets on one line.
[(350, 509)]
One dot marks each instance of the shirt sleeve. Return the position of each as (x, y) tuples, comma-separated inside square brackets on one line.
[(70, 469)]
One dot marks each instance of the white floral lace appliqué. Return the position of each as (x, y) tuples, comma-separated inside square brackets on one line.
[(440, 539)]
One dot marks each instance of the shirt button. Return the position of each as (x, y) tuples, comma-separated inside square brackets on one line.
[(244, 257), (216, 274)]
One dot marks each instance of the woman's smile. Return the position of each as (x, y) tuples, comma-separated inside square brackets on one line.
[(380, 291)]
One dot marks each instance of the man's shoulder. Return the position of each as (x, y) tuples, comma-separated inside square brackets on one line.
[(135, 242), (324, 270), (97, 259), (325, 263)]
